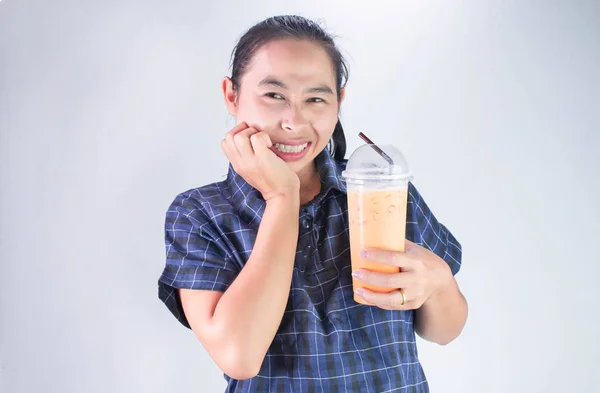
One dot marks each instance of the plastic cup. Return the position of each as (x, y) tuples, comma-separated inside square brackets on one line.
[(377, 204)]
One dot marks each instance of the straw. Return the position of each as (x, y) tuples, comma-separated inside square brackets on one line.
[(376, 148)]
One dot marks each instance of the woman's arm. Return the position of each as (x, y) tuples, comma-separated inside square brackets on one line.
[(238, 326), (443, 315)]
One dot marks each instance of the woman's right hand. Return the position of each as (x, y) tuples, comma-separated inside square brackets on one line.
[(249, 152)]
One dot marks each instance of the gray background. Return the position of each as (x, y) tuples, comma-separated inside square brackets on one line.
[(109, 109)]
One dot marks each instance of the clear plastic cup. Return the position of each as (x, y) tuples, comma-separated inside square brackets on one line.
[(377, 203)]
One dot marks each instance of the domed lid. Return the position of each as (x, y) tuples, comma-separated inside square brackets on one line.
[(377, 162)]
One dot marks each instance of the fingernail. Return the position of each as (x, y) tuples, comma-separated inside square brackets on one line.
[(363, 253), (360, 292), (357, 274)]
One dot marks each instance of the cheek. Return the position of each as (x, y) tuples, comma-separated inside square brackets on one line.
[(257, 113), (325, 124)]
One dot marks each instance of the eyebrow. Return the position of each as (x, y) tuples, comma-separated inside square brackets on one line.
[(270, 81)]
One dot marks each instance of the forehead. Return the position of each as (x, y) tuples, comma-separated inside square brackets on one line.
[(292, 61)]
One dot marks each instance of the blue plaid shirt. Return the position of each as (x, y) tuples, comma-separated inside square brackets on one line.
[(326, 342)]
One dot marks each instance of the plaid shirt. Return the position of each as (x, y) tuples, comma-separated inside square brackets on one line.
[(326, 342)]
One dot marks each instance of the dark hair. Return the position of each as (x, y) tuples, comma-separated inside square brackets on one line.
[(292, 26)]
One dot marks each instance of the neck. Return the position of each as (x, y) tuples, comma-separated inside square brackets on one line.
[(310, 183)]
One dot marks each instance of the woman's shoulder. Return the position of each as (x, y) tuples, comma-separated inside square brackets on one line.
[(203, 202)]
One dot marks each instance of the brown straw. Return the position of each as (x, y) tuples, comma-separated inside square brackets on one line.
[(376, 148)]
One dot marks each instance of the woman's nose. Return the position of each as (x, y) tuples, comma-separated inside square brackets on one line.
[(293, 119)]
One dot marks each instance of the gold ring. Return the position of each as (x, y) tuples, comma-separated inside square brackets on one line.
[(403, 297)]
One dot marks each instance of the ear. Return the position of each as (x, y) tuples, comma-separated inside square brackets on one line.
[(230, 95), (342, 96)]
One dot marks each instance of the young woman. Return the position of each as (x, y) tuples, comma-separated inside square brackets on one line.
[(258, 265)]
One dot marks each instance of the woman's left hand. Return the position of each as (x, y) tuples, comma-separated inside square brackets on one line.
[(422, 274)]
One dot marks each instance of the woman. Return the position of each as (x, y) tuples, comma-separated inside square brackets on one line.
[(258, 265)]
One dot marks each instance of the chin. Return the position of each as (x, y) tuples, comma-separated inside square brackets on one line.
[(298, 166)]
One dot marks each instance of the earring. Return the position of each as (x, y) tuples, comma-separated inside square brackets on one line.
[(331, 146)]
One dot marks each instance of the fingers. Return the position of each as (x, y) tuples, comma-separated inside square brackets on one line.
[(240, 127), (236, 143), (231, 154), (261, 142), (395, 258), (388, 301), (242, 142), (408, 245), (383, 280), (228, 144)]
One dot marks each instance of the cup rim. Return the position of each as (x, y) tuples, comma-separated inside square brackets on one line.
[(366, 176)]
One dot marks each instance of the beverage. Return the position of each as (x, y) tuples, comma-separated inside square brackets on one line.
[(377, 203), (377, 220)]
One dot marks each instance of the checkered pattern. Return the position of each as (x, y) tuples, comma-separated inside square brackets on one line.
[(326, 341)]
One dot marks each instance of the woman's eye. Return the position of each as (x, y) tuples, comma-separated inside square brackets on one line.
[(275, 96)]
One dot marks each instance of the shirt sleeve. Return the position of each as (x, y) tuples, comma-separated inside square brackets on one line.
[(428, 232), (196, 257)]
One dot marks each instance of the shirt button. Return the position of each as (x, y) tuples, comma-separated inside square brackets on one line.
[(307, 223), (309, 251)]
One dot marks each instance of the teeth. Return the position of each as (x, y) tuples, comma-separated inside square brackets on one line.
[(290, 149)]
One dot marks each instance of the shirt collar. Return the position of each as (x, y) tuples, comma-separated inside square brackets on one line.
[(249, 200), (330, 172)]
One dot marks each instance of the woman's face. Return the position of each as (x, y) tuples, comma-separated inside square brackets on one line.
[(289, 92)]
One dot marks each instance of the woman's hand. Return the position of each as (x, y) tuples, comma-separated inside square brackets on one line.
[(249, 152), (422, 274)]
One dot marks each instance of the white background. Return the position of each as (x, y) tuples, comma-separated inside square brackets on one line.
[(108, 109)]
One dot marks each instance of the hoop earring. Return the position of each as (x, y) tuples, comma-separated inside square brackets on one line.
[(331, 146)]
